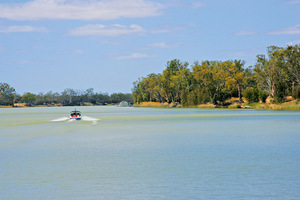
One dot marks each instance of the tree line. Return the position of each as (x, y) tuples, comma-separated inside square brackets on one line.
[(69, 97), (276, 75)]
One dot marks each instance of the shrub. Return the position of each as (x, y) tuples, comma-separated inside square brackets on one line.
[(251, 94), (263, 96), (296, 92), (280, 90), (234, 106)]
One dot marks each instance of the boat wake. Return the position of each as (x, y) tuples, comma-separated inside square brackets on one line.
[(60, 119), (84, 118), (90, 119)]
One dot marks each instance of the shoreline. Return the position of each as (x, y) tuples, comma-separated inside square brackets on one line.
[(23, 105), (291, 105)]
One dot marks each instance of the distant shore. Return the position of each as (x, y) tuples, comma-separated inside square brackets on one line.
[(23, 105), (231, 104)]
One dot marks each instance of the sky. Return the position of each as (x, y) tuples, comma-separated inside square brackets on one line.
[(51, 45)]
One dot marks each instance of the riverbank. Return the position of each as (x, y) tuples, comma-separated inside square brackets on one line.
[(24, 105), (230, 104)]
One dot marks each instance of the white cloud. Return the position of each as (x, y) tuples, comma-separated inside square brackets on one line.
[(171, 29), (198, 4), (134, 56), (115, 43), (78, 51), (118, 29), (163, 45), (295, 30), (243, 33), (292, 43), (102, 30), (23, 29), (80, 9)]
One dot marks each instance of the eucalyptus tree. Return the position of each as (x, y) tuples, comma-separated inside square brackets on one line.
[(7, 94), (271, 72), (29, 98), (170, 80), (203, 83), (236, 78), (138, 91), (292, 59)]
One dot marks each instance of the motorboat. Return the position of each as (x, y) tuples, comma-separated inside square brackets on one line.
[(76, 114)]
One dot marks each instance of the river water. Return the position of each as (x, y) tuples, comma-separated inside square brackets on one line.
[(149, 153)]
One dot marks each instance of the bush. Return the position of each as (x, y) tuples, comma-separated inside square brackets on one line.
[(234, 106), (196, 97), (296, 92), (28, 98), (280, 90), (251, 94), (219, 97), (263, 96)]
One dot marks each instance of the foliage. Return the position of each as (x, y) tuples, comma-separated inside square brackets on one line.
[(7, 94), (280, 72), (275, 75), (234, 106), (263, 96), (251, 94), (296, 92), (69, 97), (28, 98), (208, 82), (280, 92)]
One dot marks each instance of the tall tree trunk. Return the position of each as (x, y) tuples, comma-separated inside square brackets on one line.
[(273, 89), (240, 96)]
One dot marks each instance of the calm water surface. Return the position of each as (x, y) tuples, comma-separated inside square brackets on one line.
[(147, 153)]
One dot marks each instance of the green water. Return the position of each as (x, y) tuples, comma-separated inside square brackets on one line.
[(148, 153)]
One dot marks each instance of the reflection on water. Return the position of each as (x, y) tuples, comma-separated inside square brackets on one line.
[(148, 153)]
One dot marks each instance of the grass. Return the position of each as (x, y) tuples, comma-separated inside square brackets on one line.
[(153, 105), (289, 105), (171, 105)]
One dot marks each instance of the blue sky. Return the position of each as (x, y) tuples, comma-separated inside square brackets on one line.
[(108, 44)]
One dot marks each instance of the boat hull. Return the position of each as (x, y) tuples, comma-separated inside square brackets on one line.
[(76, 118), (76, 114)]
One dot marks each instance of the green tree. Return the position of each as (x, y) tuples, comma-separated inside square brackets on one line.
[(263, 96), (7, 94), (118, 97), (138, 91), (272, 70), (292, 58), (170, 80), (203, 87), (280, 92), (220, 72), (296, 92), (251, 94), (28, 98), (236, 78)]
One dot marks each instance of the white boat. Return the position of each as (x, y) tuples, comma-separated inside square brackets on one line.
[(76, 114)]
